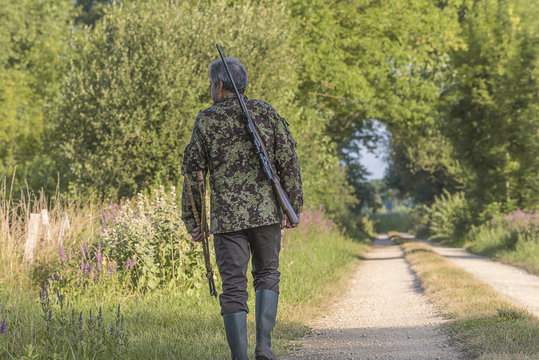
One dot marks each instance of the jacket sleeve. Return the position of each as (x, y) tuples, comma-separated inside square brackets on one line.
[(193, 161), (287, 164)]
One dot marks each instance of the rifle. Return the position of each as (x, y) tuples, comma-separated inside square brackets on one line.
[(263, 155), (202, 224)]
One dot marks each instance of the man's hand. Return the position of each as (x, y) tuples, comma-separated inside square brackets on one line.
[(196, 234), (285, 224)]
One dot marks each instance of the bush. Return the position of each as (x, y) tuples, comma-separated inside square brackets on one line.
[(447, 220), (419, 221), (143, 245), (512, 238), (139, 78), (150, 244)]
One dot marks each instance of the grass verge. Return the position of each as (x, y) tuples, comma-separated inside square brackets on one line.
[(506, 246), (484, 325), (175, 324)]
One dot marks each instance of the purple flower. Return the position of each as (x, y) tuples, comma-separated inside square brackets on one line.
[(99, 258), (111, 329), (130, 263), (63, 256), (112, 214), (82, 251), (3, 327)]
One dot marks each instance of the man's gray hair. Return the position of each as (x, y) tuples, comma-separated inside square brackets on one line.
[(218, 73)]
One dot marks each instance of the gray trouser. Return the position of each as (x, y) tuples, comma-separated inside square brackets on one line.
[(233, 251)]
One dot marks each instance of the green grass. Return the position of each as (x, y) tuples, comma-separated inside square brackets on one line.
[(483, 324), (505, 246), (174, 324), (391, 221)]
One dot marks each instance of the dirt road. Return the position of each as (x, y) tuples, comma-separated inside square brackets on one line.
[(383, 315), (519, 286)]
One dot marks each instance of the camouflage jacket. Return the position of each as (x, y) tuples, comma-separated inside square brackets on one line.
[(241, 195)]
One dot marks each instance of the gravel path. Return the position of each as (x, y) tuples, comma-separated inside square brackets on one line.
[(383, 315), (519, 286)]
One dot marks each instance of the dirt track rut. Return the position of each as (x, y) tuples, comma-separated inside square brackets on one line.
[(383, 315), (519, 286)]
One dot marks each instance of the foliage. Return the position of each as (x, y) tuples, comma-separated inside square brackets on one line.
[(483, 137), (139, 78), (395, 220), (324, 178), (512, 238), (490, 115), (369, 60), (33, 40), (61, 332), (83, 270), (90, 11), (150, 244), (449, 218), (174, 322), (363, 63), (423, 168)]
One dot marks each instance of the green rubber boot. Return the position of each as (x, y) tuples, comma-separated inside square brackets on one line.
[(236, 334), (266, 311)]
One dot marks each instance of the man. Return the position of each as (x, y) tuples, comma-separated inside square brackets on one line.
[(246, 218)]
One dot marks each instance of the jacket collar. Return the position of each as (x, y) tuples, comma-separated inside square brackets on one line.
[(228, 97)]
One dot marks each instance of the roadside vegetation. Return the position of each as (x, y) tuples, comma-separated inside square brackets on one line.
[(512, 238), (131, 285), (482, 324), (98, 100)]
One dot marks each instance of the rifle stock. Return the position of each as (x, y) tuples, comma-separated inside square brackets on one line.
[(281, 195)]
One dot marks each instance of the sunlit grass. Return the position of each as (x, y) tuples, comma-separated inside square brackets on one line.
[(178, 322), (484, 325), (506, 246)]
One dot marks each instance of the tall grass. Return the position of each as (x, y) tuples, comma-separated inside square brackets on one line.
[(15, 210), (513, 238), (166, 322)]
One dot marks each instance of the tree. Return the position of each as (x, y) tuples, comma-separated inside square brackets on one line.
[(139, 78), (423, 167), (33, 40), (363, 62), (491, 114)]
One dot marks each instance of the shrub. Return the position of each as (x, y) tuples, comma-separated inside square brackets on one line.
[(419, 221), (449, 217), (512, 238), (139, 78), (150, 244)]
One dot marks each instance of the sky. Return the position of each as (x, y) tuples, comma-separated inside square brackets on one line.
[(374, 163)]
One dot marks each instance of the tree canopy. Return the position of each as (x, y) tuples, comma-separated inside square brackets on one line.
[(105, 93)]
